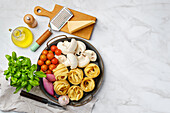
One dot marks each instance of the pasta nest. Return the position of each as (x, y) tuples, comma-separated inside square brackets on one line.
[(61, 87), (75, 93), (75, 76), (60, 72), (87, 84), (92, 70)]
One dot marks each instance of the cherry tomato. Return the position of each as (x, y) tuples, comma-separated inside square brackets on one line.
[(44, 67), (43, 57), (57, 64), (48, 72), (50, 56), (50, 51), (54, 61), (53, 48), (47, 62), (58, 52), (52, 66), (44, 52), (40, 62)]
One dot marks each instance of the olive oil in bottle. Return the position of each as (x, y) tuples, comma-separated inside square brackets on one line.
[(22, 37)]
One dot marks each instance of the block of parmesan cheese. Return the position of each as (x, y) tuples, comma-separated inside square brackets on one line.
[(74, 26)]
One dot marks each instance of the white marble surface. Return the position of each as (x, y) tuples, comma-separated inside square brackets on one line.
[(133, 38)]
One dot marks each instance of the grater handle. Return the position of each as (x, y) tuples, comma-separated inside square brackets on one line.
[(42, 12)]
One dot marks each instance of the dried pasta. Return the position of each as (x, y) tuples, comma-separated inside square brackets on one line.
[(87, 84), (92, 70), (75, 76), (75, 93), (61, 87), (60, 72)]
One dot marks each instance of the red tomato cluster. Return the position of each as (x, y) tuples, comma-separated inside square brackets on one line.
[(47, 60)]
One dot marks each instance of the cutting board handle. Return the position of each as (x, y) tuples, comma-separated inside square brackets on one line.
[(42, 12)]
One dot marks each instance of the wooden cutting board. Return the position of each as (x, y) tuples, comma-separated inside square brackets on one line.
[(78, 16)]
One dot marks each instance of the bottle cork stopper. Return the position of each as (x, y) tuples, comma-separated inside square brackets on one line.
[(30, 21)]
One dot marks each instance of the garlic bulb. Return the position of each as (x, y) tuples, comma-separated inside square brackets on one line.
[(63, 100)]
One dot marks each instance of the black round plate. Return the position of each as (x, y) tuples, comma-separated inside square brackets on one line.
[(98, 80)]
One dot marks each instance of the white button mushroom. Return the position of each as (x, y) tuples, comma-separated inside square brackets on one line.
[(61, 58), (67, 47), (62, 47), (81, 47), (71, 61), (83, 60), (91, 54)]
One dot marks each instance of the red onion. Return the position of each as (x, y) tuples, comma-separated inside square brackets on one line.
[(50, 77), (48, 86)]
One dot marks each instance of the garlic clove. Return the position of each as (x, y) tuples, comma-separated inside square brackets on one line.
[(63, 100)]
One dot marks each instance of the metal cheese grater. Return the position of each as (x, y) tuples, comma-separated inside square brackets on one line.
[(60, 19), (55, 24)]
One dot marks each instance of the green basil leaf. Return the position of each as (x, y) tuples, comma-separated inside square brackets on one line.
[(13, 80), (36, 83), (18, 63), (32, 82), (8, 57), (17, 89), (10, 68), (20, 57), (29, 87), (24, 83), (34, 67), (30, 75), (19, 81), (6, 72), (7, 76), (13, 71), (26, 61), (10, 63), (40, 74), (36, 78), (15, 85), (14, 55), (24, 77), (18, 74)]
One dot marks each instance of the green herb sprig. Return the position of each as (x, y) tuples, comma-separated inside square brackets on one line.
[(22, 73)]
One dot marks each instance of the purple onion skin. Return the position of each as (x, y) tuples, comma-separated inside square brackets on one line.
[(50, 77), (48, 86)]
